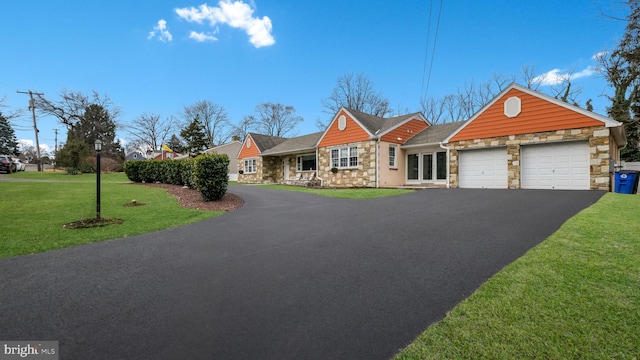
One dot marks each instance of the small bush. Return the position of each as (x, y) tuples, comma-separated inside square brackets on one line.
[(72, 171), (211, 176)]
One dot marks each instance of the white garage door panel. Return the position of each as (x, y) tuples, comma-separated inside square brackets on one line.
[(486, 168), (556, 166)]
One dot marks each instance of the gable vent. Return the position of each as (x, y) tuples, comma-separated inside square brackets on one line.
[(342, 122), (512, 107)]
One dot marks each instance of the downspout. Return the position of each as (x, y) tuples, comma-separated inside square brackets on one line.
[(318, 166), (448, 162), (377, 163)]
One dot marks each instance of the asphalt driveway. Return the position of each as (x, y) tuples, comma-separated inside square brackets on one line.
[(287, 276)]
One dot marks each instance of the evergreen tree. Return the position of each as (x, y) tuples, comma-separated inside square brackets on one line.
[(96, 123), (72, 154), (176, 144), (195, 137), (8, 142)]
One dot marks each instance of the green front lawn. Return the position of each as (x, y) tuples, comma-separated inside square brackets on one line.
[(33, 211), (574, 296)]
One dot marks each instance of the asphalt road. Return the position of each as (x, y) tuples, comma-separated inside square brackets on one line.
[(287, 276)]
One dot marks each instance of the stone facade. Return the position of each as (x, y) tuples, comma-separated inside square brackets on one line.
[(600, 151), (266, 171), (364, 175)]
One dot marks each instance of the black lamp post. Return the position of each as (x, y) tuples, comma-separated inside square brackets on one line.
[(98, 147)]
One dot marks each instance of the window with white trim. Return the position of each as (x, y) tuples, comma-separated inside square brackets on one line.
[(250, 166), (306, 162), (393, 156), (344, 157)]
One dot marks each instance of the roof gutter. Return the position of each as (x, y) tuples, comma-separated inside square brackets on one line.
[(288, 152), (419, 145)]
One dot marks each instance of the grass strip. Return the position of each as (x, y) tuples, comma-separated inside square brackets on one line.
[(574, 296)]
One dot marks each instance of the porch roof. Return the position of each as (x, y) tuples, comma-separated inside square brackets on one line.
[(434, 134), (295, 145)]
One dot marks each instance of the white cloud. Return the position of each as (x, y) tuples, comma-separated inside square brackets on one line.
[(236, 14), (202, 37), (161, 32), (557, 76), (600, 54), (25, 143)]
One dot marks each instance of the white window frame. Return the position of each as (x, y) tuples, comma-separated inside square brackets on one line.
[(393, 159), (344, 157), (299, 162), (250, 166)]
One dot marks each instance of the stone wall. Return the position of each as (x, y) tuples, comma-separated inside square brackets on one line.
[(599, 152), (266, 171), (364, 175)]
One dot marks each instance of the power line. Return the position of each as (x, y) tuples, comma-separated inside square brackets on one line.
[(426, 48), (423, 90), (435, 40)]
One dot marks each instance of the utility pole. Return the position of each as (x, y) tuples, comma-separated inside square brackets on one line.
[(32, 107)]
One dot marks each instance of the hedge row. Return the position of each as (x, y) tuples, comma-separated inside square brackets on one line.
[(206, 173)]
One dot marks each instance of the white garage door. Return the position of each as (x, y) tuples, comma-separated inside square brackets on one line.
[(485, 169), (555, 166)]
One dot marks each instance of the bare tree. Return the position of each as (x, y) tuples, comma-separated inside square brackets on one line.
[(9, 114), (465, 102), (148, 131), (71, 107), (30, 152), (244, 126), (356, 91), (276, 119), (530, 79), (214, 118), (433, 109), (565, 90)]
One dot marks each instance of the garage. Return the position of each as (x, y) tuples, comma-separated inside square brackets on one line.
[(483, 169), (562, 165)]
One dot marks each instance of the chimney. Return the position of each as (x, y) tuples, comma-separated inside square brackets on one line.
[(235, 138)]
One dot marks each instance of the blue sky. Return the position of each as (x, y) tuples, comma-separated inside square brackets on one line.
[(158, 56)]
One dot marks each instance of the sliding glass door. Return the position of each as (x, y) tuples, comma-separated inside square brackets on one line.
[(427, 167)]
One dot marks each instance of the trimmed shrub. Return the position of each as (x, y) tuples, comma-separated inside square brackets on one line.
[(205, 173), (211, 176), (187, 171), (132, 170)]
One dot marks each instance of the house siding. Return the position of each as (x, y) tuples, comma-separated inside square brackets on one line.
[(352, 133), (364, 175), (404, 132), (247, 152), (600, 150), (537, 115), (391, 176)]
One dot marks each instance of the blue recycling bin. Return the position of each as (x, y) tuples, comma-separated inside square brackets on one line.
[(626, 182)]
